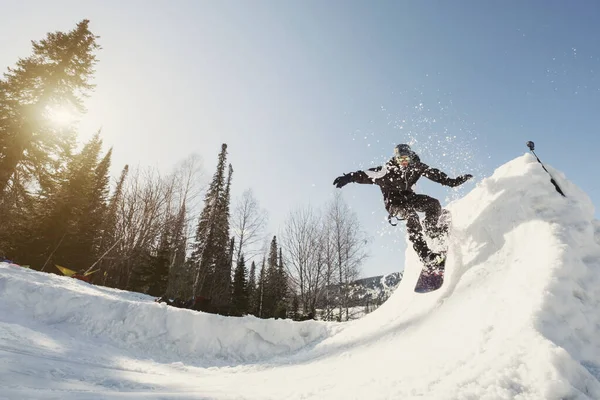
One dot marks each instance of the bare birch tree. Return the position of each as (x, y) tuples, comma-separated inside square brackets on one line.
[(188, 187), (154, 209), (305, 266), (327, 250), (349, 244), (141, 212), (248, 223)]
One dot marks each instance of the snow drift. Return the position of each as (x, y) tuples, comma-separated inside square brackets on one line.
[(516, 319), (136, 322)]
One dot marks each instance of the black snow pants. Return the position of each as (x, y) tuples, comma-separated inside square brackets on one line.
[(406, 208)]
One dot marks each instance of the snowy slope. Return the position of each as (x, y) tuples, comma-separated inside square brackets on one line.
[(516, 319)]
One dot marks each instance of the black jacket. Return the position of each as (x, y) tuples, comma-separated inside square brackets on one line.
[(397, 183)]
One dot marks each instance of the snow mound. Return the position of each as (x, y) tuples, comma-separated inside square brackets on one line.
[(517, 318), (135, 323), (518, 314)]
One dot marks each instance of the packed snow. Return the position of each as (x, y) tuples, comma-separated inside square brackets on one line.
[(517, 318)]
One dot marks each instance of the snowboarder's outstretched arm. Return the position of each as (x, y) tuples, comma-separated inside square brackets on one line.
[(366, 177), (438, 176)]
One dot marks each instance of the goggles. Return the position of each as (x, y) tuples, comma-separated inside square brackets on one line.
[(403, 159)]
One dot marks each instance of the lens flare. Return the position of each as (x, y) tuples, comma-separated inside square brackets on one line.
[(60, 116)]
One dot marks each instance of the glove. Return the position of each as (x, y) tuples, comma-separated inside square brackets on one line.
[(464, 178), (342, 181)]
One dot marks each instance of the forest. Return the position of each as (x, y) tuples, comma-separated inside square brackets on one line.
[(176, 235)]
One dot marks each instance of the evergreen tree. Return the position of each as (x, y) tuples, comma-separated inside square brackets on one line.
[(208, 246), (295, 308), (179, 276), (180, 238), (251, 289), (150, 270), (221, 294), (69, 221), (18, 219), (89, 235), (156, 268), (271, 289), (109, 234), (142, 268), (160, 262), (260, 290), (240, 288), (84, 206), (57, 75), (282, 289)]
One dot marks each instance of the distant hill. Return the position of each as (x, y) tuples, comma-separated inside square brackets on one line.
[(366, 294), (374, 290)]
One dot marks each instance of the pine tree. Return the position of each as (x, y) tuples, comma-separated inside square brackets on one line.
[(142, 268), (89, 234), (58, 74), (271, 289), (87, 192), (19, 220), (295, 308), (251, 290), (221, 294), (282, 288), (240, 288), (109, 234), (260, 291), (208, 246), (179, 276), (160, 262), (150, 270), (69, 226)]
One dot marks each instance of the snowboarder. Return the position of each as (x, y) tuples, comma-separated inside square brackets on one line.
[(396, 179)]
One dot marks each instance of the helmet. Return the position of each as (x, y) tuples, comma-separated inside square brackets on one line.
[(403, 154), (403, 150)]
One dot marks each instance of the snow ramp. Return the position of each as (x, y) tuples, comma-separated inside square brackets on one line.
[(517, 318)]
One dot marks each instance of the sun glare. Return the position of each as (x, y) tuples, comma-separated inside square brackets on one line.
[(60, 116)]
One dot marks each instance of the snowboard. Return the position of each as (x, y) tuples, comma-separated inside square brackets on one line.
[(431, 277)]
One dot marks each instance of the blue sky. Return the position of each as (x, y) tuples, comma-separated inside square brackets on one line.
[(304, 91)]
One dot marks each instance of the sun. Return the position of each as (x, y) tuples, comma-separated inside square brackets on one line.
[(60, 116)]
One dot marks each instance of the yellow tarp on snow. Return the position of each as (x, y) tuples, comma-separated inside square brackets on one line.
[(70, 272), (66, 271)]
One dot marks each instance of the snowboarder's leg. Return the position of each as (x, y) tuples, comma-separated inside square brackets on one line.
[(433, 210), (415, 235), (430, 259)]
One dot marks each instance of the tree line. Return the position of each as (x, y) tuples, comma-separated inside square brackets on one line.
[(165, 235)]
